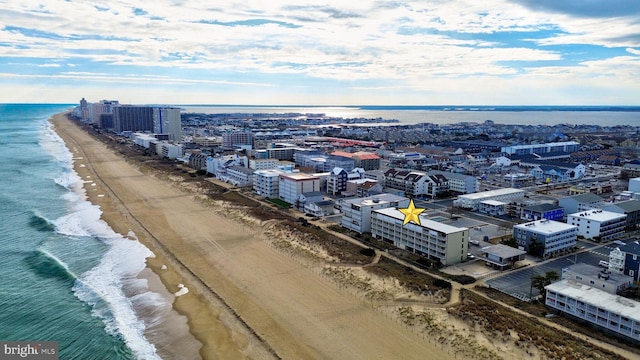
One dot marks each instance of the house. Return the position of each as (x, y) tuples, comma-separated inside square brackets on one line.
[(544, 238), (557, 173), (308, 198), (320, 208), (501, 256), (626, 260)]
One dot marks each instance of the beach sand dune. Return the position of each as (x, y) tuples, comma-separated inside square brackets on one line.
[(246, 299)]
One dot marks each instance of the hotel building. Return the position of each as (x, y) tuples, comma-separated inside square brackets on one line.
[(294, 184), (356, 213), (611, 312), (434, 240)]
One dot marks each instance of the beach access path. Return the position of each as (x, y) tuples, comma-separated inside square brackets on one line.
[(246, 299)]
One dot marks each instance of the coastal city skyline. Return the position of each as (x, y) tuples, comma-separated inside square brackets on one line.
[(495, 53)]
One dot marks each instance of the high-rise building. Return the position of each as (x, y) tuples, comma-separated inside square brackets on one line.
[(166, 120), (132, 118)]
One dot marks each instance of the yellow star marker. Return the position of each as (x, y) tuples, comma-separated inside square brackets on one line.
[(411, 213)]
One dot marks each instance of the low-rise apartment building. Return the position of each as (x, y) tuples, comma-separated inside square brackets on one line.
[(547, 236), (605, 225), (431, 239), (587, 303), (356, 213)]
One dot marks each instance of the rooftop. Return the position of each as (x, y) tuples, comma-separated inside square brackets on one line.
[(596, 297), (491, 193), (594, 271), (377, 199), (598, 215), (545, 226), (425, 222), (502, 251), (299, 176), (585, 198)]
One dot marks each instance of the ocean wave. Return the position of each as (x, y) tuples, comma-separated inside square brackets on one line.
[(41, 223), (102, 287), (45, 264)]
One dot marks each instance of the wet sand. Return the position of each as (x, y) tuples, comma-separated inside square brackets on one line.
[(245, 299)]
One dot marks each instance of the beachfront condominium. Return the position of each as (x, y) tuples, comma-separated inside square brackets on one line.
[(356, 213), (564, 146), (588, 303), (291, 185), (432, 239), (237, 139), (132, 118), (545, 237), (166, 120)]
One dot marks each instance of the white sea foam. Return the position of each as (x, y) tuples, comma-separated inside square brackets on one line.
[(102, 286)]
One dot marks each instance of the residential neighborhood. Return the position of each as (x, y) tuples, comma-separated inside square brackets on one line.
[(502, 203)]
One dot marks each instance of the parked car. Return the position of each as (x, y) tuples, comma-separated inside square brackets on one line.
[(604, 263)]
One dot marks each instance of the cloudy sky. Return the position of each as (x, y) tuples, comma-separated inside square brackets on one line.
[(416, 52)]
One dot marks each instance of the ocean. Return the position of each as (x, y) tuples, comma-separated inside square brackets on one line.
[(408, 115), (66, 275)]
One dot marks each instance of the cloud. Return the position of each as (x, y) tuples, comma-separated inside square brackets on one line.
[(586, 8), (369, 44)]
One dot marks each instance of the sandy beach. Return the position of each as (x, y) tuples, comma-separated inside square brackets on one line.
[(245, 299)]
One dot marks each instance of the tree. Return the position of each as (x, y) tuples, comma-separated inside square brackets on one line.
[(538, 282), (536, 248), (511, 241)]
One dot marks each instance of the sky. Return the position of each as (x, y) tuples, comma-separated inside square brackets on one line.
[(410, 52)]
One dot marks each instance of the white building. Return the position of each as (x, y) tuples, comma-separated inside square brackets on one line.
[(472, 201), (551, 236), (171, 151), (595, 306), (460, 183), (218, 165), (565, 146), (239, 176), (492, 207), (267, 182), (144, 140), (293, 184), (597, 277), (605, 225), (356, 213), (263, 164), (434, 240)]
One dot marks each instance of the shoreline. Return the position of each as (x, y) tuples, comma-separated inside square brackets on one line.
[(174, 337), (246, 298), (257, 289)]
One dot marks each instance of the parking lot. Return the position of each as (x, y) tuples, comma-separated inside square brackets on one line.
[(517, 283)]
